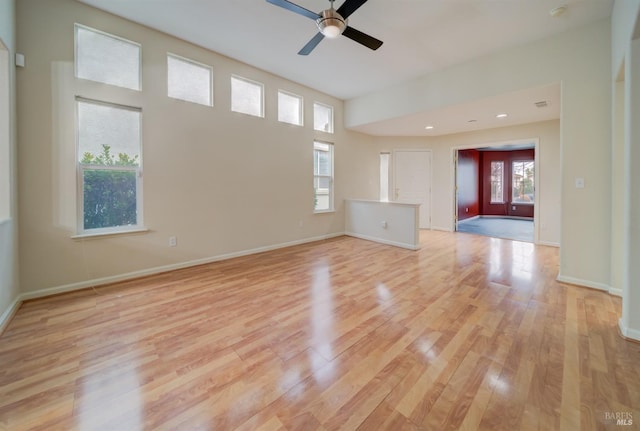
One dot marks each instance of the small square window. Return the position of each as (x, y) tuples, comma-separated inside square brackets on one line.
[(106, 58), (247, 97), (289, 108), (188, 80), (322, 117)]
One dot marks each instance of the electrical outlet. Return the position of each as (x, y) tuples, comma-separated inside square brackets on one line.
[(383, 224), (173, 241)]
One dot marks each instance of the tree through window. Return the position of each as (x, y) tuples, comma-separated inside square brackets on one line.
[(109, 173), (497, 182), (522, 174)]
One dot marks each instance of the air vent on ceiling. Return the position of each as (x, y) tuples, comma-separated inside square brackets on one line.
[(541, 104)]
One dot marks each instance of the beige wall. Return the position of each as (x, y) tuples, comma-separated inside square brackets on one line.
[(9, 288), (547, 133), (581, 61), (221, 182)]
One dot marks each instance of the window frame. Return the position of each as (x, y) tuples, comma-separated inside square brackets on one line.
[(316, 176), (300, 108), (77, 26), (332, 118), (262, 95), (502, 201), (82, 167), (513, 162), (385, 164), (194, 63)]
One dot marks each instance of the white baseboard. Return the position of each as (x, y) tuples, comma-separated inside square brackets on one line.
[(615, 291), (444, 229), (158, 269), (384, 241), (633, 334), (584, 283), (470, 218), (549, 243), (6, 316)]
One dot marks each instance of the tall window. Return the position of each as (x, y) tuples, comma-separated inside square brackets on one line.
[(322, 117), (109, 161), (105, 58), (384, 177), (289, 108), (323, 176), (188, 80), (523, 187), (497, 182), (247, 96)]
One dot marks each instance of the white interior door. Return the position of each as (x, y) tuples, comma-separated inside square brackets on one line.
[(412, 181)]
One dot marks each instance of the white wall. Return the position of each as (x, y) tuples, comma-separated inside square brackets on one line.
[(581, 61), (222, 182), (390, 223), (548, 135), (618, 198), (623, 23), (630, 320), (625, 82), (9, 288)]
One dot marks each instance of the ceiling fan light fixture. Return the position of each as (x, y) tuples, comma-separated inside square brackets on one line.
[(331, 24)]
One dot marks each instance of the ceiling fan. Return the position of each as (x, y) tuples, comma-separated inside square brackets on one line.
[(331, 23)]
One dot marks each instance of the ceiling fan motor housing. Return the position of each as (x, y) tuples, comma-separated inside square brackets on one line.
[(331, 24)]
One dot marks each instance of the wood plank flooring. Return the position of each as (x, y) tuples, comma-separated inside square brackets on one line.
[(468, 333)]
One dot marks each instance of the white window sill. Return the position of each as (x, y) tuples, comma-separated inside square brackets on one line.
[(110, 233), (324, 211)]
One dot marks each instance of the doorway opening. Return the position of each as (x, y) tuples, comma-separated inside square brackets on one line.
[(495, 190)]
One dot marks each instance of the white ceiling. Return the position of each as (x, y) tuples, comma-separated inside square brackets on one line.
[(520, 107), (420, 36)]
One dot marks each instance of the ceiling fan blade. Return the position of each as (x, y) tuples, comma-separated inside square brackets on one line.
[(362, 38), (349, 7), (295, 8), (311, 44)]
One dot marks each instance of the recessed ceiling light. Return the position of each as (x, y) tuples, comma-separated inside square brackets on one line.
[(557, 11), (501, 116), (428, 127)]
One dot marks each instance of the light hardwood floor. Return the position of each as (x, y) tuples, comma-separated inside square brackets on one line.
[(467, 333)]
